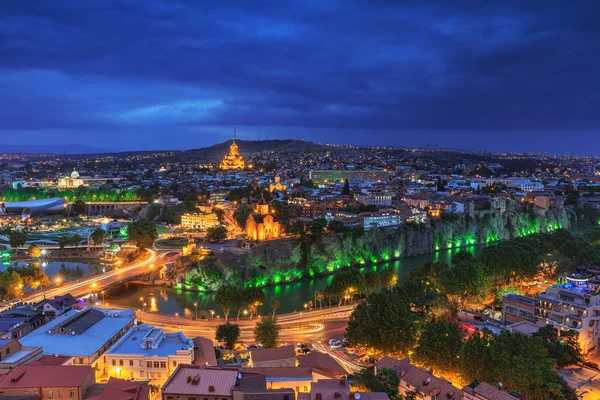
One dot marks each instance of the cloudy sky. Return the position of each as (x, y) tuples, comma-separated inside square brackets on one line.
[(166, 74)]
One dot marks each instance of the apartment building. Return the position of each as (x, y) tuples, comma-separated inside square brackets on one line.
[(573, 303), (145, 352), (48, 382)]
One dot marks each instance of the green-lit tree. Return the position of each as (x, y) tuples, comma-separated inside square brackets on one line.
[(266, 332), (228, 334)]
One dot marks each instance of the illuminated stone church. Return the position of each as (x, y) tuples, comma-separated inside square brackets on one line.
[(234, 159), (261, 225)]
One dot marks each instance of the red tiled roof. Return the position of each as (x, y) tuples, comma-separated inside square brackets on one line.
[(320, 360), (488, 392), (51, 360), (277, 353), (220, 380), (120, 389), (35, 376)]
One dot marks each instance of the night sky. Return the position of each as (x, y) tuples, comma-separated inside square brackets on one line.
[(152, 74)]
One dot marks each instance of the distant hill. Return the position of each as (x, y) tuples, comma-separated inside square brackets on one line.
[(52, 149), (248, 147)]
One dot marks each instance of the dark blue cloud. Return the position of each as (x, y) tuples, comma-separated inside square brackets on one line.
[(175, 74)]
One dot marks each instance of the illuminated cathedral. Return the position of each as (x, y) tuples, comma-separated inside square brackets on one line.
[(234, 159)]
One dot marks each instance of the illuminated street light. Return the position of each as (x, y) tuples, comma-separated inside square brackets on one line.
[(245, 313), (57, 280), (212, 313), (196, 305)]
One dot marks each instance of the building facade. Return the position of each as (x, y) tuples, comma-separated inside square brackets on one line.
[(325, 177), (148, 353), (199, 220), (233, 160), (573, 303), (70, 182), (261, 225)]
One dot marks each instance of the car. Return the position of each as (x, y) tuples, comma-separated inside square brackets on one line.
[(227, 245), (333, 341), (305, 351), (477, 317), (220, 249), (591, 364)]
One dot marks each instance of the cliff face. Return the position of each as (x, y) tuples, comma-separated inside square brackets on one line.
[(289, 259), (333, 251)]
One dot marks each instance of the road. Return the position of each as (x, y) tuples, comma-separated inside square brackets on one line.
[(314, 327), (96, 283)]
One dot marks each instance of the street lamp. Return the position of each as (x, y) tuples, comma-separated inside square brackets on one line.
[(196, 305), (103, 302), (245, 313), (212, 314), (305, 306), (177, 315), (57, 280)]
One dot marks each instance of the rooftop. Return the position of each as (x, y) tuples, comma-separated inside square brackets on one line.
[(46, 376), (149, 341), (276, 353), (198, 380), (83, 344)]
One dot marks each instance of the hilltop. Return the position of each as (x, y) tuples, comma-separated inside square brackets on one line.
[(248, 147)]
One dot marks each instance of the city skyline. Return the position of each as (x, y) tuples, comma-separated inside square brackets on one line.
[(161, 75)]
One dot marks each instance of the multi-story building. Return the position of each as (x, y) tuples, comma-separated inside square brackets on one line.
[(147, 353), (48, 382), (375, 197), (277, 357), (84, 335), (196, 382), (199, 220), (70, 182), (325, 177), (573, 303), (382, 219), (14, 354)]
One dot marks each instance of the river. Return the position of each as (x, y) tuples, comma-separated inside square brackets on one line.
[(291, 296)]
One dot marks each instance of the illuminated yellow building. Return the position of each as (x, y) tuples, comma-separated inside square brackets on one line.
[(234, 159), (277, 185), (70, 182), (199, 220), (261, 225)]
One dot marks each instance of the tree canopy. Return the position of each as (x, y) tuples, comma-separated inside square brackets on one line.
[(142, 233), (266, 332)]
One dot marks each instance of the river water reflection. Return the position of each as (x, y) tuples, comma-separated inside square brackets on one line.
[(292, 296)]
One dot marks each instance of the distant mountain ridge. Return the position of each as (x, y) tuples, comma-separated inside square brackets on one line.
[(211, 153), (52, 149)]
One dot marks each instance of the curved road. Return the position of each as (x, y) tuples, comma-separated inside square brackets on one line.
[(315, 327), (85, 286)]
